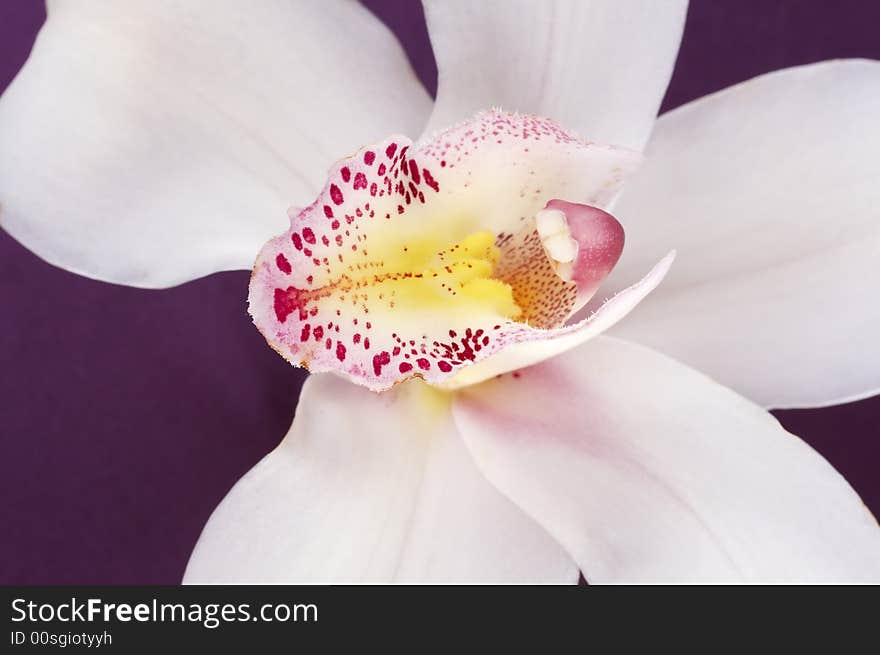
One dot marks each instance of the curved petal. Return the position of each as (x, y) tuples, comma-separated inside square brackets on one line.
[(530, 346), (598, 66), (391, 273), (769, 191), (372, 488), (151, 142), (647, 471)]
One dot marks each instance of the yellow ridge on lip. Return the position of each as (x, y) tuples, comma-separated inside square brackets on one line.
[(424, 275)]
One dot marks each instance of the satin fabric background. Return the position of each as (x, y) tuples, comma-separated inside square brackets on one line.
[(120, 432)]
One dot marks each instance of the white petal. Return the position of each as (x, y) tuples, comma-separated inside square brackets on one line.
[(647, 471), (151, 142), (599, 67), (769, 191), (372, 488)]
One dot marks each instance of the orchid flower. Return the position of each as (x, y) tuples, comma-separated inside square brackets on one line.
[(466, 420)]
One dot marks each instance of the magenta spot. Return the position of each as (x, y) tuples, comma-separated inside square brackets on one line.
[(340, 352), (429, 180), (346, 173), (328, 212), (405, 367), (286, 301), (381, 169), (297, 241), (360, 181), (335, 195), (444, 366), (373, 189), (399, 209), (390, 150), (414, 172), (357, 337), (318, 332), (367, 343), (328, 344), (369, 157), (379, 361), (304, 335), (282, 263), (308, 235), (423, 363)]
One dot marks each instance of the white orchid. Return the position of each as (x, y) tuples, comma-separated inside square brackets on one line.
[(148, 143)]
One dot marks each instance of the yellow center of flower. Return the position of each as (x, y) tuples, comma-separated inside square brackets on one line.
[(426, 274)]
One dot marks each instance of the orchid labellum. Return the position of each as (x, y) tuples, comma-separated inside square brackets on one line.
[(467, 420)]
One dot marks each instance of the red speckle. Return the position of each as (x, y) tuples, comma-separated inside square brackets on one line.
[(405, 367), (373, 189), (381, 169), (369, 157), (357, 337), (335, 225), (297, 241), (423, 363), (346, 174), (318, 332), (360, 181), (444, 366), (429, 180), (287, 300), (308, 235), (390, 150), (367, 343), (328, 212), (414, 172), (399, 209), (282, 263), (335, 195), (340, 352), (379, 361), (304, 335), (328, 344)]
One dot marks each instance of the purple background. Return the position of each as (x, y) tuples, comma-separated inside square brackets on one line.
[(121, 430)]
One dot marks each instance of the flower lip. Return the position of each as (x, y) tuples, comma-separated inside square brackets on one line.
[(420, 261)]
